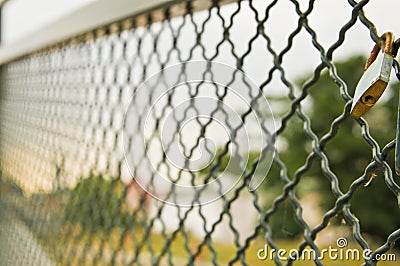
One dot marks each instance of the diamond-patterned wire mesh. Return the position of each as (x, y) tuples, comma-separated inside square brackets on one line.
[(67, 193)]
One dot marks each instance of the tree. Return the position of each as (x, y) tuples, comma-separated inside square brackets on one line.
[(97, 203), (348, 153)]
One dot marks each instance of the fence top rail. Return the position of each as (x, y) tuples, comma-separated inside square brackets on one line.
[(89, 17)]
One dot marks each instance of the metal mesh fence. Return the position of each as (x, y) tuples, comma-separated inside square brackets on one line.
[(131, 145)]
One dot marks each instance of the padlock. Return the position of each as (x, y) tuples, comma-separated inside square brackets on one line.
[(375, 78)]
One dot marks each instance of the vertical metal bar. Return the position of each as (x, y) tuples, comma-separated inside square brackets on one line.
[(1, 24), (396, 67), (397, 152)]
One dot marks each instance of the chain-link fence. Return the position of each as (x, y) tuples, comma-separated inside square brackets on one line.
[(144, 142)]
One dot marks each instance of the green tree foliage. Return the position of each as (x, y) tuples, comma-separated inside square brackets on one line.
[(97, 203), (348, 153)]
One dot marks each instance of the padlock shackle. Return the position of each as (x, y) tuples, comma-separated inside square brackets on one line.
[(388, 38)]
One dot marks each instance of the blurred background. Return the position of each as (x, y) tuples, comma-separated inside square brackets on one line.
[(70, 197)]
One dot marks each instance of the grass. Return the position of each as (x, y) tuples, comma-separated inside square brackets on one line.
[(75, 246)]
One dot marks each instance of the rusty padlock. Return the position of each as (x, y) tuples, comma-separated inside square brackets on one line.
[(375, 78)]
